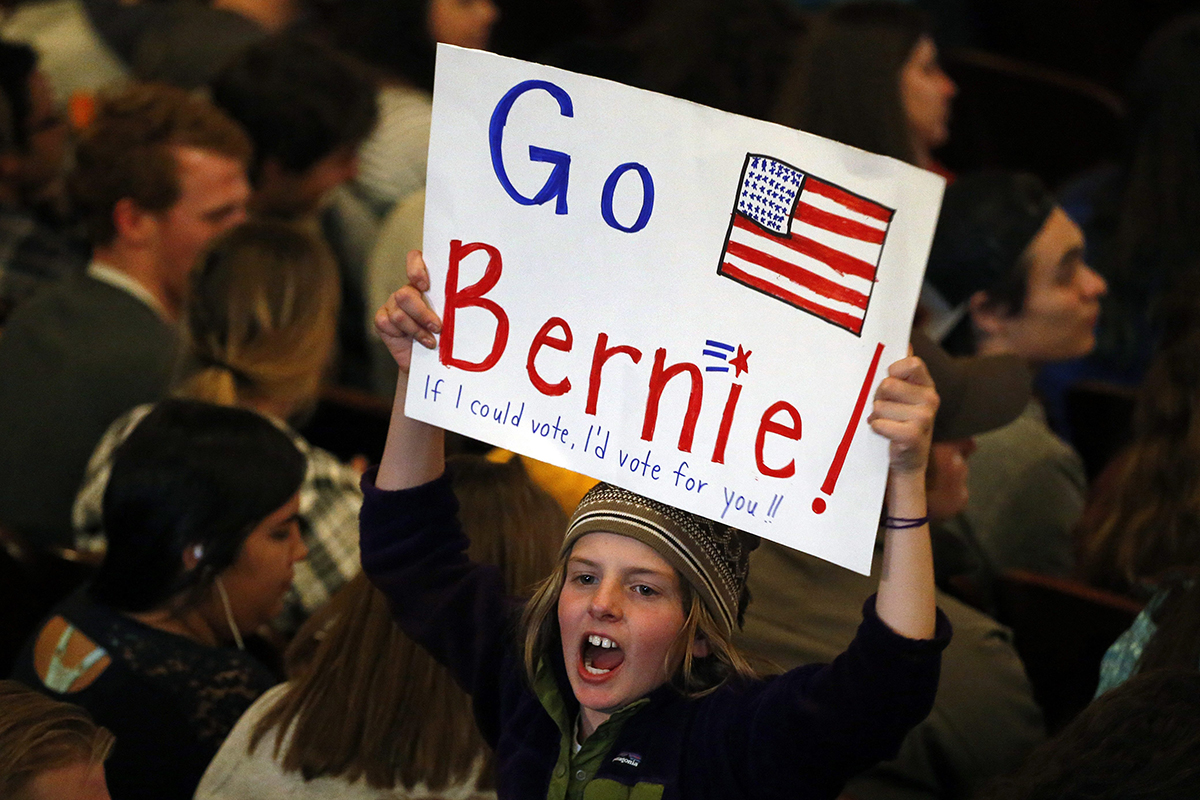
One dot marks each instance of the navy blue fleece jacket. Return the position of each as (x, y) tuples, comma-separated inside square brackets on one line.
[(799, 735)]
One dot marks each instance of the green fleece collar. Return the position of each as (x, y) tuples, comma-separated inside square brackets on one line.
[(574, 770)]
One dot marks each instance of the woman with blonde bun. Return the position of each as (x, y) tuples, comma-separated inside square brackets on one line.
[(261, 327)]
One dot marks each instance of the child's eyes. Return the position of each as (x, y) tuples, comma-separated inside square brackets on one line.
[(590, 579)]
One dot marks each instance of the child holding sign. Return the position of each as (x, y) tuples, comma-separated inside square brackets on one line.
[(630, 686)]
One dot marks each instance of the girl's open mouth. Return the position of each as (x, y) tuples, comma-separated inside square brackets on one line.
[(599, 655)]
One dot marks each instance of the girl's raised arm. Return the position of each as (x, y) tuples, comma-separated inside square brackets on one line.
[(414, 452), (905, 406)]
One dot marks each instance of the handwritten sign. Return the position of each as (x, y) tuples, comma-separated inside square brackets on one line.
[(691, 304)]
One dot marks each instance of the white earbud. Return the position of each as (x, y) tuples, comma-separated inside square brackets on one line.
[(233, 627), (198, 552)]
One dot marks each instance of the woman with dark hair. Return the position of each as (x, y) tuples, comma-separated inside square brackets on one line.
[(867, 75), (371, 711), (1140, 535), (1139, 743), (200, 513), (1141, 529)]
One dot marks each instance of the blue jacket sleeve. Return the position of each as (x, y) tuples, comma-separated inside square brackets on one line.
[(808, 731)]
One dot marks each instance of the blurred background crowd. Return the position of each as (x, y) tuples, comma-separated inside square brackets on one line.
[(203, 203)]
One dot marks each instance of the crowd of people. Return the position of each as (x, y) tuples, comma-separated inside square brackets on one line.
[(211, 212)]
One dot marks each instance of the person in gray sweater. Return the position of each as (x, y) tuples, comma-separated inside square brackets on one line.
[(1009, 263)]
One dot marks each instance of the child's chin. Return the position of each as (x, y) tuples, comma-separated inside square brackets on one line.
[(604, 705), (597, 696)]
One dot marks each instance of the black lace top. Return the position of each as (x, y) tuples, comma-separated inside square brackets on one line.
[(169, 701)]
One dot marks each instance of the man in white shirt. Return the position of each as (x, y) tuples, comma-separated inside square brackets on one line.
[(158, 175)]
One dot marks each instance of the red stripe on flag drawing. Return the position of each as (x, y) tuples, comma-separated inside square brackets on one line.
[(806, 242), (825, 220), (798, 275), (847, 321), (865, 207), (834, 259)]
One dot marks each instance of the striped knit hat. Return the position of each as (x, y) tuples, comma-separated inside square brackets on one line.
[(713, 558)]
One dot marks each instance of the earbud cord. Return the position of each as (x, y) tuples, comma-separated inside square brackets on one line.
[(233, 628)]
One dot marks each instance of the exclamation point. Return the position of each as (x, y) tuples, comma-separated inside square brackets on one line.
[(839, 458)]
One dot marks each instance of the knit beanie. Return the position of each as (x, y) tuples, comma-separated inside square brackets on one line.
[(713, 558)]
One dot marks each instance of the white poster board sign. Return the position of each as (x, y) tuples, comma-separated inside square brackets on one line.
[(693, 305)]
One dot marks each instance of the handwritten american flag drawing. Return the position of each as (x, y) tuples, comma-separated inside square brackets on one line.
[(805, 241)]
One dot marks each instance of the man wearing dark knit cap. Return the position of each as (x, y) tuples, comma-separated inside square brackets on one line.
[(1008, 264)]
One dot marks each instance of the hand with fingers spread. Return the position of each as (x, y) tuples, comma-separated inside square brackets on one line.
[(905, 405), (407, 315)]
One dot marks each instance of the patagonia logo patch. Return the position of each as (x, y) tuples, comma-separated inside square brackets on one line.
[(629, 759)]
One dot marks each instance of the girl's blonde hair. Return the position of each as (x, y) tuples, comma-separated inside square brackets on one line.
[(371, 703), (694, 677), (38, 734), (262, 317)]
